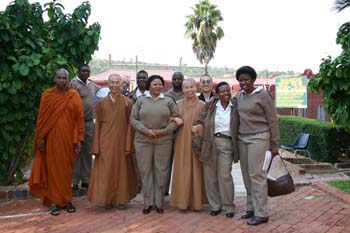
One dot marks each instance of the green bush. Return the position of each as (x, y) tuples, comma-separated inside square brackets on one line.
[(327, 143), (31, 49)]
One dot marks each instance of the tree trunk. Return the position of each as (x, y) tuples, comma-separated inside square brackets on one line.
[(205, 68)]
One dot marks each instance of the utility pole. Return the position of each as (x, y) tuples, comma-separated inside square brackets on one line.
[(136, 66), (110, 61), (180, 65)]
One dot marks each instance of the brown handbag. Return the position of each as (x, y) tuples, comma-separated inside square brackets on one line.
[(282, 185)]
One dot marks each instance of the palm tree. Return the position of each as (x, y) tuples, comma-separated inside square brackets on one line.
[(340, 5), (202, 27)]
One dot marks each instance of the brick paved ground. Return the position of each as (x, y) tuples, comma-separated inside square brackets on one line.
[(306, 210)]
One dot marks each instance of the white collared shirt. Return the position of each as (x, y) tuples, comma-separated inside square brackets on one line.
[(256, 90), (139, 93), (148, 94), (223, 119), (87, 81)]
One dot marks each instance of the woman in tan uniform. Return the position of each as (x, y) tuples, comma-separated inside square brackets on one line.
[(150, 117), (258, 132), (219, 150), (187, 187)]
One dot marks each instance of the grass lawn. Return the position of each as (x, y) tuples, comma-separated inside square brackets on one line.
[(343, 185)]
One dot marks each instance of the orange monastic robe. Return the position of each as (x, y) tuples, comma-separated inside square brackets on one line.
[(187, 187), (60, 123), (113, 178)]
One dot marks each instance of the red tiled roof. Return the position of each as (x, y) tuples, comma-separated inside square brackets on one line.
[(166, 74)]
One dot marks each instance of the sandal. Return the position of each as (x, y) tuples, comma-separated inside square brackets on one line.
[(70, 208), (54, 210)]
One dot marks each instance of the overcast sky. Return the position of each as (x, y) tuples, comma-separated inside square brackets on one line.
[(266, 34)]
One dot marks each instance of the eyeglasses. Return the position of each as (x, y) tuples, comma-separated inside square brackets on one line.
[(205, 81)]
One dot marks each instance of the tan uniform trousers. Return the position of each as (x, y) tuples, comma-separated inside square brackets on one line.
[(153, 161), (252, 154), (217, 176), (83, 164)]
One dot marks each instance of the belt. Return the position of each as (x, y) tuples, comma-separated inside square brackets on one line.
[(220, 135)]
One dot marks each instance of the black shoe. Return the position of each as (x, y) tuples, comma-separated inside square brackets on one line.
[(257, 220), (159, 210), (85, 185), (248, 214), (70, 208), (54, 210), (215, 212), (230, 215), (147, 209)]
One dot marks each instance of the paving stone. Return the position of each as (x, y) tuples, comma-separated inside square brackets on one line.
[(290, 213)]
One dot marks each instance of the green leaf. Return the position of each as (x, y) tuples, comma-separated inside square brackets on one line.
[(60, 61), (12, 90), (11, 58), (12, 150), (23, 69), (35, 58), (17, 83)]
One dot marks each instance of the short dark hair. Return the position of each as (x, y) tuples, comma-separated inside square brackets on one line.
[(83, 65), (141, 72), (177, 73), (220, 84), (246, 70), (153, 77)]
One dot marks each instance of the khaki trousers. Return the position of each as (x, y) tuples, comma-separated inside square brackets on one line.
[(83, 164), (153, 161), (217, 176), (252, 154)]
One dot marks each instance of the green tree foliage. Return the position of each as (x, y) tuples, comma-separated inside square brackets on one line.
[(31, 49), (334, 80), (202, 27), (340, 5)]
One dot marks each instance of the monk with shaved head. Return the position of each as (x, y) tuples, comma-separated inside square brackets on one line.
[(58, 138), (113, 180)]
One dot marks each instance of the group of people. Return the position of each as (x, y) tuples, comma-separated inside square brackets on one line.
[(174, 142)]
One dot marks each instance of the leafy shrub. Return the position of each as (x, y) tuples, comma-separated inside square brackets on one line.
[(327, 143), (31, 49)]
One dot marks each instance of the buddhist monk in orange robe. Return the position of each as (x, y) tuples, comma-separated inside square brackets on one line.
[(59, 134), (113, 180)]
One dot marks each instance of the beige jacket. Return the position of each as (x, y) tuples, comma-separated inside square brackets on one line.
[(207, 119)]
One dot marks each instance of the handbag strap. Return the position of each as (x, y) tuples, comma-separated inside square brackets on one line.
[(282, 159)]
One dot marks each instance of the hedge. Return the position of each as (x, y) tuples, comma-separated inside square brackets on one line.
[(327, 143)]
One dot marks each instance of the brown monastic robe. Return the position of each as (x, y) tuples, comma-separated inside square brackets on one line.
[(60, 123), (187, 188), (113, 178)]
